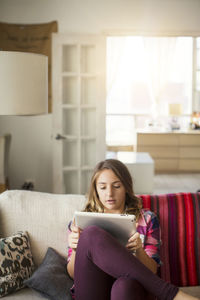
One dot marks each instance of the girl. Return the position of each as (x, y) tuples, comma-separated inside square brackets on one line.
[(102, 268)]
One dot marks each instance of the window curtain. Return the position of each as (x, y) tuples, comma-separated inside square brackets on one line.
[(159, 55)]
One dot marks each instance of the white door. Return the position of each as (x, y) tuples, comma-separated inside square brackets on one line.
[(78, 110)]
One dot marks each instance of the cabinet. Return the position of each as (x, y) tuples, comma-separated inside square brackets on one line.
[(78, 110), (172, 151)]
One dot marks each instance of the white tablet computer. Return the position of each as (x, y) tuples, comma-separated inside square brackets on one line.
[(121, 226)]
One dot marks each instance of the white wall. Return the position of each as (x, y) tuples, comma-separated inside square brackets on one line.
[(99, 15), (31, 147), (30, 150)]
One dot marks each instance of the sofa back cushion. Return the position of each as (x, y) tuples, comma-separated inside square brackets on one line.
[(179, 217), (44, 216)]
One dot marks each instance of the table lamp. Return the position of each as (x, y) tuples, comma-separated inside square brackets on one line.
[(175, 110), (23, 87)]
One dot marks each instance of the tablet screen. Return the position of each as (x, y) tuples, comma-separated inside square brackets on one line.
[(120, 226)]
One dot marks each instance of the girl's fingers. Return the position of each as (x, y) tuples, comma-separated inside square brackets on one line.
[(73, 242), (74, 228), (74, 238), (74, 235), (134, 242), (134, 237), (73, 246)]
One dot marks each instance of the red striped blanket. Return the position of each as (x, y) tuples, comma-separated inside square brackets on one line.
[(179, 217)]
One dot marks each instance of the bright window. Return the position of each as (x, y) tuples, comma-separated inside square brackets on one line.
[(144, 76)]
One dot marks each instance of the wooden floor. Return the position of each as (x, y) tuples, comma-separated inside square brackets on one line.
[(173, 183)]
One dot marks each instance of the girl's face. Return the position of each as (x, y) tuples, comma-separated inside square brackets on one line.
[(111, 192)]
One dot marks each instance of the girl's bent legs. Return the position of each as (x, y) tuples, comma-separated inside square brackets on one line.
[(129, 289), (91, 283), (99, 248)]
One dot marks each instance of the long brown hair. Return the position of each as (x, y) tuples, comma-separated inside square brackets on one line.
[(132, 203)]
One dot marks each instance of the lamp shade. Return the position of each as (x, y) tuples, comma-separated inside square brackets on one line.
[(23, 83), (175, 109)]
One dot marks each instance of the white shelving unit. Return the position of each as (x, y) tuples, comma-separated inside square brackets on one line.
[(78, 110)]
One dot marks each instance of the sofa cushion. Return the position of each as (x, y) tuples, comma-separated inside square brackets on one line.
[(45, 216), (51, 278), (179, 216), (24, 294), (16, 262)]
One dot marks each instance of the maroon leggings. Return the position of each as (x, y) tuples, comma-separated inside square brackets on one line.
[(106, 270)]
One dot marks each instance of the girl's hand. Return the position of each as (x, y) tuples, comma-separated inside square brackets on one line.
[(74, 236), (134, 243)]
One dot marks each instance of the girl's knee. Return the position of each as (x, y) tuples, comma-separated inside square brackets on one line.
[(124, 283), (126, 288)]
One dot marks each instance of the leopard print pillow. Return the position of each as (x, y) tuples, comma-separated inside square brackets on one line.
[(16, 262)]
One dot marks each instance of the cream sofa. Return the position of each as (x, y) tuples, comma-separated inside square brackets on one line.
[(45, 217)]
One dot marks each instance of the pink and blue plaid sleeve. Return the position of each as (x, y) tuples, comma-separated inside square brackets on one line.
[(152, 240), (150, 228), (69, 250)]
